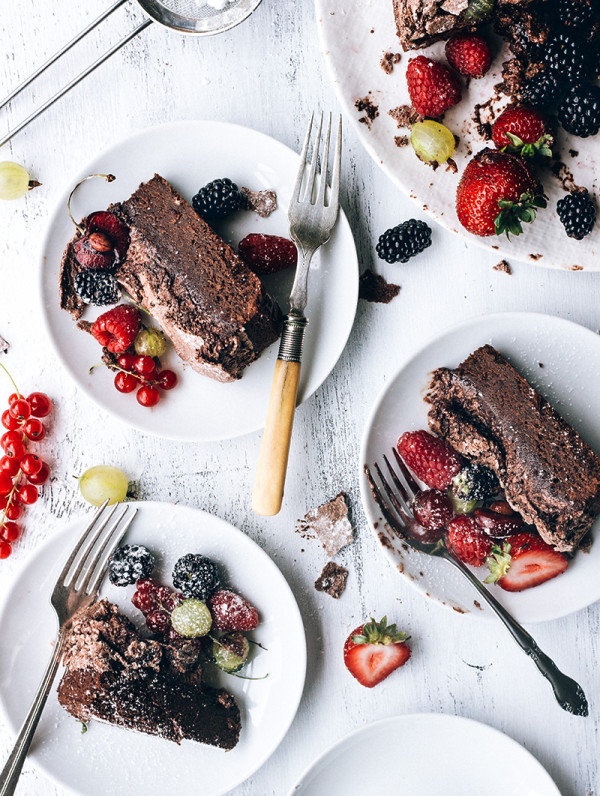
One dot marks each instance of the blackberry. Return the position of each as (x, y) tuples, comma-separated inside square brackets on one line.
[(575, 15), (566, 56), (579, 110), (577, 213), (542, 90), (196, 576), (474, 482), (94, 286), (399, 244), (130, 563), (218, 199)]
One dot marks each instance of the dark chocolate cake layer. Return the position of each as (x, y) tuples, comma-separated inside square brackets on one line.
[(491, 414), (114, 675)]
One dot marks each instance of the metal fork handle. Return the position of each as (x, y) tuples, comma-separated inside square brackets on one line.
[(568, 693), (275, 447), (12, 770)]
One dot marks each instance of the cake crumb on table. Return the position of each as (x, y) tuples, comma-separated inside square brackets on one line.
[(4, 346), (330, 524), (373, 287), (504, 267), (332, 580)]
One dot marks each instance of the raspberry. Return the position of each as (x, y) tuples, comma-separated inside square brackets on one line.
[(218, 199), (432, 86), (231, 612), (577, 213), (468, 542), (130, 563), (97, 286), (399, 244), (196, 576), (433, 509), (117, 329), (469, 54), (431, 459), (267, 254)]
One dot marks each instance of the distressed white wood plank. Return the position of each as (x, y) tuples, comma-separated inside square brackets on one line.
[(269, 74)]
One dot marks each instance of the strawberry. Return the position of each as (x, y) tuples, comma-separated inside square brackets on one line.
[(469, 54), (117, 328), (432, 87), (522, 131), (229, 611), (468, 542), (431, 459), (374, 650), (497, 192), (523, 561), (433, 509), (267, 254)]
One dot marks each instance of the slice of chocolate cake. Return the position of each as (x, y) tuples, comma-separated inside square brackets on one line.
[(114, 675), (212, 307), (489, 413)]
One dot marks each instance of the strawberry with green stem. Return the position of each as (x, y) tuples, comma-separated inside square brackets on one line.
[(374, 650), (523, 131)]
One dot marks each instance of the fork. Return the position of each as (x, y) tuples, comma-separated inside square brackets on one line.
[(312, 214), (397, 512), (76, 588)]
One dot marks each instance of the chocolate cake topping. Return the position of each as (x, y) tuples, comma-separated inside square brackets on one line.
[(114, 675), (489, 413), (330, 524), (332, 580)]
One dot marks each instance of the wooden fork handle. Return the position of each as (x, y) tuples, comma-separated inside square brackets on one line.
[(275, 447)]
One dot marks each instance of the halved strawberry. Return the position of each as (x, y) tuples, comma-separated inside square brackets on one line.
[(374, 650), (524, 561)]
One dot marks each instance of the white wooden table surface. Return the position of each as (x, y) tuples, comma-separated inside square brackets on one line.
[(268, 74)]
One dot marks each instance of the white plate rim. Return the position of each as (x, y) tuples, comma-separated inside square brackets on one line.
[(70, 526), (342, 223), (365, 492), (403, 717)]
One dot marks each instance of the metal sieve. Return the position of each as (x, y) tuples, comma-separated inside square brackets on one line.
[(199, 17)]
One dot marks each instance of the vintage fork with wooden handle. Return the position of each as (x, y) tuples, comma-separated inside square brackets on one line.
[(313, 213), (76, 588)]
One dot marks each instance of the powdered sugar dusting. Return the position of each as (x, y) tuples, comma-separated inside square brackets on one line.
[(330, 524)]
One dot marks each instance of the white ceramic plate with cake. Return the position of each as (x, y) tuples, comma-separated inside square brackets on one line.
[(562, 361), (355, 34), (110, 759), (412, 742), (189, 155)]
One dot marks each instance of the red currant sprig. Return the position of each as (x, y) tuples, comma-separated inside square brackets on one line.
[(20, 472), (141, 373)]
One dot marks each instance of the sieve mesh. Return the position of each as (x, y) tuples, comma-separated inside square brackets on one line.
[(199, 16), (196, 9)]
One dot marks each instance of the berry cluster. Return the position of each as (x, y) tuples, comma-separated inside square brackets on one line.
[(21, 472)]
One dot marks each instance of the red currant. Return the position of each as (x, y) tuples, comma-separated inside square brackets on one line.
[(10, 436), (9, 422), (166, 380), (13, 397), (6, 484), (158, 621), (125, 382), (9, 466), (34, 429), (126, 361), (31, 464), (41, 405), (3, 502), (13, 512), (9, 532), (148, 396), (15, 449), (28, 494), (144, 366), (40, 478), (20, 410), (143, 601), (5, 550)]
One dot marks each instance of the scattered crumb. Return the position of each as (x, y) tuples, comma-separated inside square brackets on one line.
[(576, 268), (483, 116), (540, 364), (504, 267), (563, 174), (332, 580), (385, 542), (477, 604), (370, 110), (388, 61), (451, 166), (574, 153), (405, 115), (401, 140), (373, 287), (535, 256), (330, 524), (261, 202), (85, 326), (4, 346)]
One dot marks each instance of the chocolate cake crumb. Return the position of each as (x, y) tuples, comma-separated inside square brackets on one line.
[(405, 115), (401, 140), (330, 524), (576, 268), (483, 116), (451, 166), (373, 287), (85, 326), (574, 153), (263, 203), (504, 267), (332, 580), (540, 364), (535, 256), (388, 61), (369, 108), (564, 175), (4, 346)]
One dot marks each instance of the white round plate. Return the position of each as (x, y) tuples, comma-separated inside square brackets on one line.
[(190, 154), (569, 379), (108, 759), (423, 754), (355, 34)]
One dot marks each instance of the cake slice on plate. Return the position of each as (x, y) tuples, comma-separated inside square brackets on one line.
[(489, 413)]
